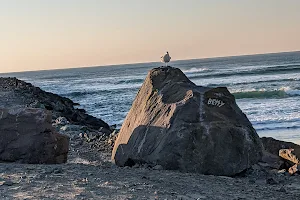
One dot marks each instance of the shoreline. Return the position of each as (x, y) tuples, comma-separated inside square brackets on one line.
[(154, 62), (90, 174)]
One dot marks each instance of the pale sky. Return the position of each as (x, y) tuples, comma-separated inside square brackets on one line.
[(52, 34)]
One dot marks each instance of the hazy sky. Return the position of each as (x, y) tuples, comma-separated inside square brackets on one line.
[(49, 34)]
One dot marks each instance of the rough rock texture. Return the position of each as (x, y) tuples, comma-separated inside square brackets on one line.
[(178, 125), (27, 136), (15, 93), (278, 154), (272, 161), (273, 146)]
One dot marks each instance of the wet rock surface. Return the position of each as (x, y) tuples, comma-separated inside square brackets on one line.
[(178, 125)]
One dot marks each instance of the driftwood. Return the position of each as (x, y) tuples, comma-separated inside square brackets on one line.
[(289, 156)]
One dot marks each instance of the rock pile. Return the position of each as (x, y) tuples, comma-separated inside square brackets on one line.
[(17, 93), (100, 140)]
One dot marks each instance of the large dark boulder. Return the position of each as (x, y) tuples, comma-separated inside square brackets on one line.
[(27, 136), (178, 125)]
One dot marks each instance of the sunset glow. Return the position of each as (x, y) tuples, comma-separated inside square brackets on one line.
[(42, 34)]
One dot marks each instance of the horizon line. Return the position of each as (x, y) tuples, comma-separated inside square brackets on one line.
[(149, 62)]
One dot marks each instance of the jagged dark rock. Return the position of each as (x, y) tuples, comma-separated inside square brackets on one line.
[(178, 125), (272, 157), (16, 93), (273, 146), (27, 136)]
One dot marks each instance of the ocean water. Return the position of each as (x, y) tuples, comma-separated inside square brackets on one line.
[(266, 87)]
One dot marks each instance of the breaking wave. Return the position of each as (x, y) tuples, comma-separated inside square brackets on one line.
[(265, 94), (195, 70), (249, 72), (100, 92)]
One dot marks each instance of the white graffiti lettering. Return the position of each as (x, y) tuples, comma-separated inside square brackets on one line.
[(215, 102)]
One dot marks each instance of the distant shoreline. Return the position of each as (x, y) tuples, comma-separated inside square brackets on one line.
[(153, 62)]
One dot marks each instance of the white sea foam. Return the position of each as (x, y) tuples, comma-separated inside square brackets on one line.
[(290, 91), (195, 70)]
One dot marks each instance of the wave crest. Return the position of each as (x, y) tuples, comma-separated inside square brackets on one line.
[(194, 70), (266, 94)]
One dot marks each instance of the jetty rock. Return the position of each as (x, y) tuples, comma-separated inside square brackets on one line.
[(181, 126), (27, 136), (15, 93)]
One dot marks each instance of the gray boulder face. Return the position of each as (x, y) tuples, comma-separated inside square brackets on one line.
[(179, 125), (27, 136)]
